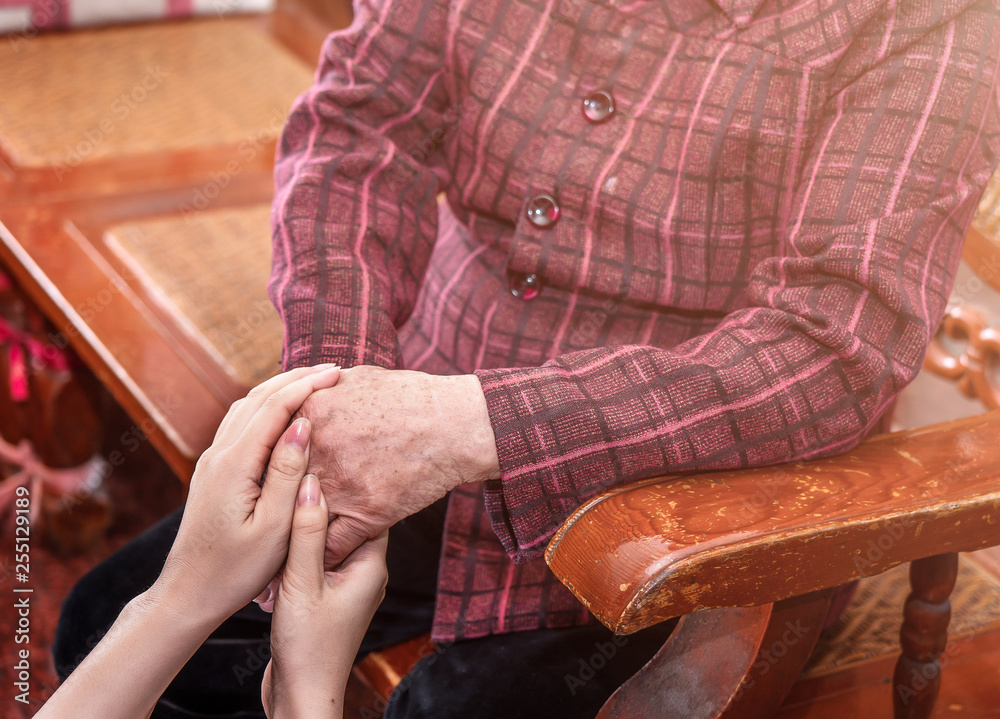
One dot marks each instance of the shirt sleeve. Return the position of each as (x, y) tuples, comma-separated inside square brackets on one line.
[(357, 175), (834, 327)]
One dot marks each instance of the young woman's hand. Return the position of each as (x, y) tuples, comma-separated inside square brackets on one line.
[(320, 617), (234, 533)]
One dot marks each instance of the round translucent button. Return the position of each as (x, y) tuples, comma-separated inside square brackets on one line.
[(525, 287), (598, 106), (543, 211)]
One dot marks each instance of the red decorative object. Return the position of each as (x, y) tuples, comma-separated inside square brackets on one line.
[(22, 349), (49, 426)]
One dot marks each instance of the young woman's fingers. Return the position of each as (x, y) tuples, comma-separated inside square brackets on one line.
[(265, 689), (243, 410), (306, 546), (285, 470), (266, 598), (360, 581), (273, 415)]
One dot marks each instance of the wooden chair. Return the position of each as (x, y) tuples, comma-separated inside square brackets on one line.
[(748, 560)]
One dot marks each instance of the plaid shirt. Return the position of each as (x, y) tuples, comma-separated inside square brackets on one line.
[(741, 264)]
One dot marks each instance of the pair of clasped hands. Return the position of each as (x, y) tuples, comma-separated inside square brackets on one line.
[(236, 536)]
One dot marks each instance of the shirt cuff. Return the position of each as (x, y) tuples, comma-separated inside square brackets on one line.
[(302, 352), (303, 356), (539, 487)]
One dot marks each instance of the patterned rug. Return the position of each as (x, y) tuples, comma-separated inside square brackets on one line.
[(869, 628)]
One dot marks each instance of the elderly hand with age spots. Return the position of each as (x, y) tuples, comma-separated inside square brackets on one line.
[(386, 444)]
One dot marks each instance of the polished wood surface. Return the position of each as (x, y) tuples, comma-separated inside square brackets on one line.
[(725, 663), (663, 548), (924, 635), (382, 671)]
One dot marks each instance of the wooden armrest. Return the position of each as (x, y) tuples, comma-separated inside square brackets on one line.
[(644, 553)]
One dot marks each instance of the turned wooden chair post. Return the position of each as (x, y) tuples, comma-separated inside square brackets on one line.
[(923, 636)]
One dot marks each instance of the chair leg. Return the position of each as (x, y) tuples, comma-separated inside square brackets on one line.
[(923, 636), (725, 663)]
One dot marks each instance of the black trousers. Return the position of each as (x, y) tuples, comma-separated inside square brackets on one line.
[(544, 673)]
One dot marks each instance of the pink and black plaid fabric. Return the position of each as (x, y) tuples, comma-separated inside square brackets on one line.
[(750, 256)]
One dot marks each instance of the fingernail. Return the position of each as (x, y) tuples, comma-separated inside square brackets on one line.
[(298, 434), (327, 367), (268, 605), (265, 596), (308, 491)]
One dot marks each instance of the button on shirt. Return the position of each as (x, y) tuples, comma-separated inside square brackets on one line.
[(746, 245), (598, 106)]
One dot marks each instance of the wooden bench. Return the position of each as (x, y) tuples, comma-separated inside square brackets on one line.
[(134, 208)]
